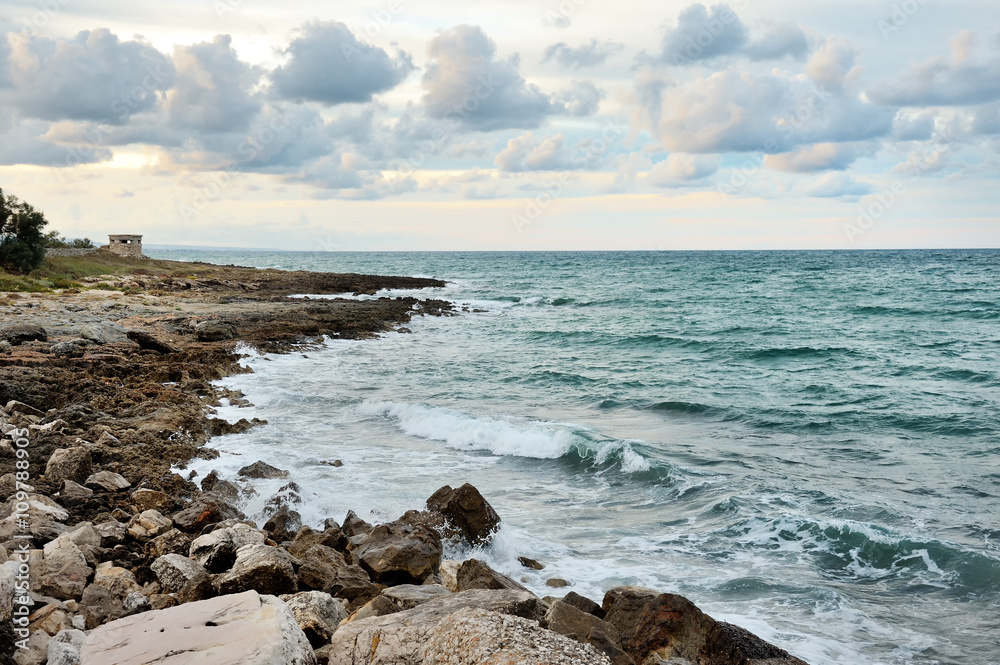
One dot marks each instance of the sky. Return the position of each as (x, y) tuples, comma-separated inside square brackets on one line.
[(512, 125)]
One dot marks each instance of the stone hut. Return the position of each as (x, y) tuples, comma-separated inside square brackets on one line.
[(125, 245)]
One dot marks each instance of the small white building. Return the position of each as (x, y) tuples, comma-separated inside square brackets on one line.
[(125, 245)]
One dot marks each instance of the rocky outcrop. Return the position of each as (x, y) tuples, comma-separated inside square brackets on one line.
[(150, 343), (399, 553), (241, 629), (261, 469), (325, 569), (466, 510), (567, 620), (283, 524), (22, 334)]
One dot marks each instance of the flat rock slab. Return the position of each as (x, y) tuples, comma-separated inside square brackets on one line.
[(242, 629)]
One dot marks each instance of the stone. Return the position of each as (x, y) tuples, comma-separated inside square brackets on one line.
[(8, 585), (399, 599), (51, 618), (63, 570), (474, 574), (203, 511), (214, 331), (323, 654), (73, 464), (64, 647), (174, 541), (5, 346), (355, 526), (307, 537), (225, 489), (472, 636), (73, 493), (325, 569), (149, 524), (161, 601), (262, 568), (67, 349), (98, 606), (241, 629), (613, 650), (107, 481), (261, 469), (318, 614), (467, 510), (84, 534), (556, 582), (119, 581), (449, 574), (530, 563), (398, 553), (148, 342), (135, 602), (8, 485), (112, 533), (399, 638), (567, 620), (146, 499), (37, 652), (216, 551), (283, 524), (583, 604), (180, 575), (21, 334), (103, 332)]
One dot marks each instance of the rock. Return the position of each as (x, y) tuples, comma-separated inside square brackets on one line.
[(21, 334), (73, 464), (668, 626), (161, 601), (318, 614), (171, 542), (467, 510), (73, 493), (8, 485), (135, 602), (103, 332), (52, 618), (98, 606), (119, 581), (398, 639), (149, 524), (472, 636), (68, 349), (262, 568), (355, 526), (204, 510), (224, 488), (216, 551), (399, 599), (254, 629), (146, 499), (63, 570), (449, 574), (324, 568), (283, 524), (612, 649), (529, 563), (8, 582), (5, 346), (323, 654), (111, 532), (261, 470), (474, 574), (397, 553), (583, 604), (107, 481), (37, 651), (147, 341), (64, 648), (556, 582), (306, 538), (180, 575), (214, 331), (567, 620)]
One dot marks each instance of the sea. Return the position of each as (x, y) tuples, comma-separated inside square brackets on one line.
[(806, 444)]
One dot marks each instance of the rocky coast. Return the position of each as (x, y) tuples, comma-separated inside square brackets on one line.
[(113, 555)]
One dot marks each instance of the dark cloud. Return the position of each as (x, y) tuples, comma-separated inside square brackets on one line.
[(329, 65), (93, 76), (941, 82), (581, 99), (4, 61), (467, 83), (26, 143), (214, 91), (591, 54)]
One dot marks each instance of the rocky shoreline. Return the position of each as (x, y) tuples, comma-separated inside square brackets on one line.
[(111, 557)]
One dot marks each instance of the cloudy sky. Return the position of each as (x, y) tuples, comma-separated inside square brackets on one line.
[(522, 124)]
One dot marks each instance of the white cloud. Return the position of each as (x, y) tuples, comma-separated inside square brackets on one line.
[(681, 168)]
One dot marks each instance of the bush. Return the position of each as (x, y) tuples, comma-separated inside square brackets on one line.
[(54, 241), (22, 244)]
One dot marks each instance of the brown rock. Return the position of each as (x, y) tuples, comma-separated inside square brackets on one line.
[(324, 569), (73, 464), (261, 469), (21, 334), (318, 614), (171, 542), (147, 499), (583, 604), (474, 574), (204, 510), (529, 563), (556, 582), (398, 553), (283, 524), (261, 568), (468, 511), (148, 342), (355, 526)]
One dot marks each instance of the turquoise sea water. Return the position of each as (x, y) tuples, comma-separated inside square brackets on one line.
[(804, 443)]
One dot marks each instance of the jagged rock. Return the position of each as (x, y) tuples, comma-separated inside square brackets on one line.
[(307, 537), (107, 481), (119, 581), (51, 618), (613, 650), (474, 574), (530, 563), (399, 599), (204, 510), (254, 629), (468, 511), (68, 349), (112, 533), (64, 648), (227, 490), (161, 601), (8, 581), (98, 606), (472, 636), (261, 469), (147, 341), (149, 524), (171, 542), (449, 574), (398, 553), (21, 334), (325, 569), (567, 620), (355, 526), (214, 331), (103, 332), (63, 571), (262, 568), (37, 651), (135, 602), (216, 551), (283, 524), (583, 604), (667, 626), (146, 499), (73, 464), (318, 614), (73, 493), (180, 575), (8, 484), (399, 638)]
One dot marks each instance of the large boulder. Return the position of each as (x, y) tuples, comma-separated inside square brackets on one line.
[(261, 568), (214, 331), (119, 581), (99, 606), (473, 636), (73, 464), (103, 332), (150, 343), (242, 629), (63, 570), (261, 469), (399, 638), (64, 648), (668, 626), (467, 510), (399, 553), (318, 614), (567, 620), (474, 574), (174, 541), (203, 511), (306, 537), (216, 550), (180, 575), (283, 524), (399, 599), (20, 334), (324, 569), (107, 481)]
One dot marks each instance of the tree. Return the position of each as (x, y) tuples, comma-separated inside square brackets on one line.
[(55, 241), (22, 244)]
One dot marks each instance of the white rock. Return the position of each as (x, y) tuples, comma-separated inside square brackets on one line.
[(64, 648)]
